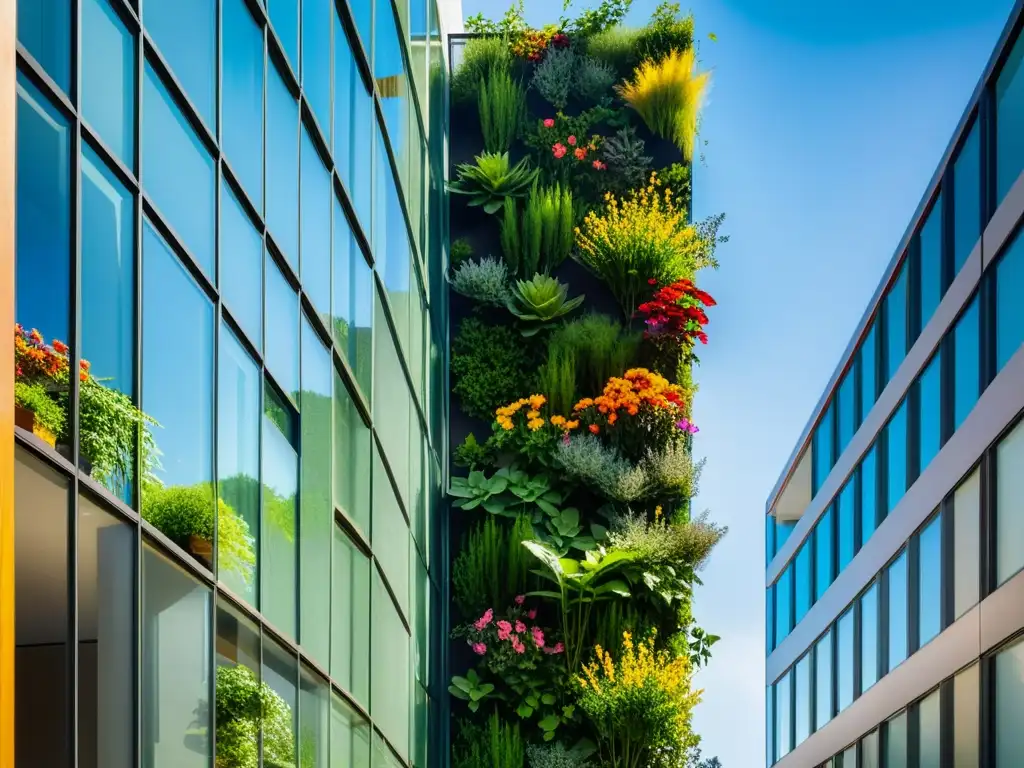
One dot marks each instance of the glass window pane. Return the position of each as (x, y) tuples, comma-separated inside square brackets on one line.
[(108, 78), (847, 409), (967, 357), (350, 618), (966, 544), (176, 666), (845, 511), (868, 370), (897, 586), (239, 689), (283, 167), (282, 326), (823, 556), (804, 586), (929, 581), (242, 98), (869, 751), (389, 72), (350, 736), (391, 538), (966, 709), (280, 669), (241, 266), (280, 484), (896, 323), (783, 716), (44, 28), (316, 524), (869, 638), (929, 719), (931, 263), (896, 742), (314, 720), (769, 622), (185, 32), (353, 122), (41, 612), (822, 448), (770, 725), (1009, 310), (1010, 121), (802, 718), (849, 757), (783, 605), (175, 160), (782, 530), (353, 301), (108, 319), (316, 59), (317, 202), (896, 436), (1009, 492), (351, 458), (930, 417), (844, 661), (823, 681), (362, 15), (967, 198), (868, 494), (284, 17), (392, 403), (238, 467), (390, 676)]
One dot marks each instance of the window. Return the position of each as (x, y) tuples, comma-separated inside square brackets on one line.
[(769, 538), (802, 718), (869, 751), (966, 717), (869, 637), (930, 415), (783, 605), (350, 618), (391, 244), (1010, 121), (108, 78), (967, 363), (868, 494), (350, 736), (844, 661), (41, 612), (242, 99), (314, 720), (897, 583), (280, 669), (362, 15), (175, 160), (896, 323), (823, 554), (769, 619), (896, 742), (1009, 312), (241, 266), (390, 674), (1009, 492), (896, 437), (392, 403), (317, 203), (1009, 704), (846, 398), (238, 466), (353, 301), (185, 33), (966, 544), (822, 449), (804, 584), (44, 28), (391, 539), (175, 666), (845, 511), (282, 326), (317, 16), (280, 484), (283, 167), (284, 18), (353, 121), (389, 72), (929, 726), (316, 508), (967, 198), (823, 681), (930, 241), (769, 709), (849, 757), (351, 458), (868, 358), (783, 716), (929, 581)]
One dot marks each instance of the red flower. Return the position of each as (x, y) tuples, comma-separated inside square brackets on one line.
[(580, 153), (599, 165), (594, 429), (549, 122), (560, 40), (572, 141), (558, 150)]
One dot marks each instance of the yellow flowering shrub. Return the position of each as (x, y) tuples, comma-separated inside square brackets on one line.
[(525, 426), (644, 239), (640, 705)]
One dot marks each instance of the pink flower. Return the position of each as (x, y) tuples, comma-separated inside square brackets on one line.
[(538, 636), (520, 599), (572, 141), (479, 649), (504, 630), (517, 645), (549, 123), (520, 627), (599, 165), (484, 620), (559, 150), (531, 614), (559, 648)]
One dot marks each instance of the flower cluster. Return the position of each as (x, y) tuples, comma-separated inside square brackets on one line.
[(676, 313), (523, 427), (35, 360), (569, 144), (514, 640), (531, 44), (534, 418)]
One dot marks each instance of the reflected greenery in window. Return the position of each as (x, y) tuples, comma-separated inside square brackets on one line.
[(280, 486)]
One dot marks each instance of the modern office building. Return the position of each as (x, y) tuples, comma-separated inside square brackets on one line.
[(895, 536), (230, 224)]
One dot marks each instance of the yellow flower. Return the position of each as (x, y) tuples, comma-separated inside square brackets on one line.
[(536, 401), (532, 414), (535, 424), (558, 421)]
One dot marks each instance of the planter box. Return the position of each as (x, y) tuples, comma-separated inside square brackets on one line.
[(201, 548), (26, 419)]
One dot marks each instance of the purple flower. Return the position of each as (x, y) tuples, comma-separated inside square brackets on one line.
[(685, 425)]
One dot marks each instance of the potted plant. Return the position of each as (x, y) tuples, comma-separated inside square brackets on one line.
[(36, 412)]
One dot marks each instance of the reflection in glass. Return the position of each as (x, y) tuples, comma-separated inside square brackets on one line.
[(868, 357), (967, 367), (1009, 311), (41, 612), (869, 638), (929, 724), (284, 17), (896, 742), (238, 467), (392, 403), (966, 544), (353, 119), (280, 670), (317, 16), (844, 661), (282, 325), (783, 605), (352, 466), (283, 166), (242, 99), (175, 667), (804, 586), (783, 716), (316, 202), (390, 673), (353, 301), (44, 28), (846, 398), (391, 538), (966, 717), (314, 720), (896, 322), (896, 435), (350, 617), (108, 78), (185, 32), (802, 717), (868, 494), (967, 198), (240, 693), (241, 266), (845, 509), (1009, 97), (823, 554), (822, 450), (1009, 495), (897, 585), (823, 681), (869, 751), (930, 264), (106, 638), (174, 160), (930, 416), (769, 723), (350, 736), (280, 485), (929, 581)]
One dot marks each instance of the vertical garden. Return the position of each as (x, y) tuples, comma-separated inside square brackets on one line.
[(576, 314)]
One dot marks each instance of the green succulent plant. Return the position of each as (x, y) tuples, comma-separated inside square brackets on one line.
[(492, 178), (539, 301)]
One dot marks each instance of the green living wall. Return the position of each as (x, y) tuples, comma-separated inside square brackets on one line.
[(575, 315)]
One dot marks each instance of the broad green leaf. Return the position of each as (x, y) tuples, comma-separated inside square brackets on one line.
[(458, 693), (546, 556), (474, 706), (524, 710), (598, 531), (571, 516), (569, 566), (549, 723), (617, 586), (549, 735), (462, 683), (545, 593), (548, 699), (533, 701), (547, 506)]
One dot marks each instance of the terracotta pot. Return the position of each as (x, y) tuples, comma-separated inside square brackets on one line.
[(200, 547), (26, 419)]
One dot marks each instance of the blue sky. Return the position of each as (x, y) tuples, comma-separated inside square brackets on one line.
[(824, 125)]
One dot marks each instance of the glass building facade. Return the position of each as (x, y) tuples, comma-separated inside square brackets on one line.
[(895, 533), (230, 383)]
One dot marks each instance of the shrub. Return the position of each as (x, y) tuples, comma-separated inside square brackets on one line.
[(34, 397), (539, 301), (490, 365), (485, 281), (502, 107), (628, 166), (557, 378), (542, 238), (492, 566), (641, 239), (553, 77), (677, 179), (667, 543), (599, 348), (495, 745), (553, 756), (592, 21), (617, 47), (244, 706), (480, 56), (473, 455), (594, 80), (492, 179), (459, 251), (667, 31), (586, 459), (668, 94)]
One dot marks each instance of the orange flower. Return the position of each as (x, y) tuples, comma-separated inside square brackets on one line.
[(594, 429)]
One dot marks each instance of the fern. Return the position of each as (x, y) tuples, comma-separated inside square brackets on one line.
[(502, 105)]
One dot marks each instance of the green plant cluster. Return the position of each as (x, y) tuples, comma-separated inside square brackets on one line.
[(246, 709), (577, 544)]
